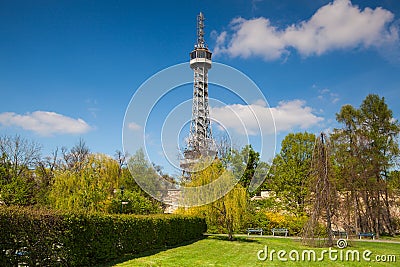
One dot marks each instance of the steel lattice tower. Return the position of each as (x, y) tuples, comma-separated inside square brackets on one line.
[(200, 141)]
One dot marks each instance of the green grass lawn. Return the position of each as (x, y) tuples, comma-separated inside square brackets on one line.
[(217, 251)]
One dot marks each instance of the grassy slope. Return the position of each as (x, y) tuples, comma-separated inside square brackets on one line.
[(215, 251)]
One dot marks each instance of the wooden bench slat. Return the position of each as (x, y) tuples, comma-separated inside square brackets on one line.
[(280, 230), (366, 235), (254, 230), (340, 234)]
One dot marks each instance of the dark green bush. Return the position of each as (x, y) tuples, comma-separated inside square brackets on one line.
[(48, 238), (136, 203)]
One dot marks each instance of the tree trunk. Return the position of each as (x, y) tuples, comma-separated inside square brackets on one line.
[(389, 217)]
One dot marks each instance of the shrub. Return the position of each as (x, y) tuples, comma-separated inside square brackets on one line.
[(49, 238), (268, 220)]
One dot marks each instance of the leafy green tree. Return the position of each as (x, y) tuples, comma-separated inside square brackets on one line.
[(145, 175), (246, 163), (133, 202), (5, 177), (17, 181), (290, 170), (95, 186), (44, 177), (250, 160), (18, 192), (366, 149), (228, 213), (394, 180), (88, 188)]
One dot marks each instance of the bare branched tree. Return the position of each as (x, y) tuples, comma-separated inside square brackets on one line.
[(121, 157), (47, 166), (20, 153), (19, 157), (76, 157), (323, 196)]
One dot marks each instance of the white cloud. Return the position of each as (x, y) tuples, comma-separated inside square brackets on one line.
[(325, 91), (45, 123), (333, 97), (252, 38), (337, 25), (294, 114), (134, 126), (247, 119)]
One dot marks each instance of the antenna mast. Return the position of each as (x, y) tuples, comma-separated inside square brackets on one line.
[(200, 32)]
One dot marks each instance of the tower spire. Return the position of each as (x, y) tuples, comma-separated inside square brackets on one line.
[(200, 32), (200, 141)]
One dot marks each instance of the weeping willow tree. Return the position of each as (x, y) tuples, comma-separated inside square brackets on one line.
[(88, 187), (226, 199), (322, 197)]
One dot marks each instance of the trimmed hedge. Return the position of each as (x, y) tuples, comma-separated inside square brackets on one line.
[(49, 238)]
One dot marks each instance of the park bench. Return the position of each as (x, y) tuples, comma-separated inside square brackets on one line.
[(254, 230), (280, 231), (340, 234), (366, 235)]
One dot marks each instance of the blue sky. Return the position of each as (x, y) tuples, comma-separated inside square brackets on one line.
[(68, 69)]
